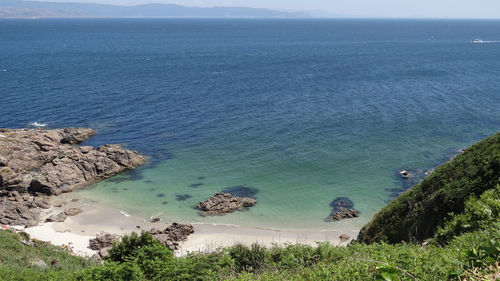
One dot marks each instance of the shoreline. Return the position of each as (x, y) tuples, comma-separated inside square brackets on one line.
[(76, 231), (31, 196)]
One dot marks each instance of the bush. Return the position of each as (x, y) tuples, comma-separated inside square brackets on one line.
[(482, 213)]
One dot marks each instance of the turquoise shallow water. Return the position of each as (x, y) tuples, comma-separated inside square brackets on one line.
[(303, 111)]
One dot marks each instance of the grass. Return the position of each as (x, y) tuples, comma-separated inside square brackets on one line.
[(16, 259)]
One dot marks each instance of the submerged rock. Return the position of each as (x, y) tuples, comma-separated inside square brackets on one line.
[(182, 197), (343, 208), (196, 185), (173, 234), (241, 191), (341, 202), (223, 203)]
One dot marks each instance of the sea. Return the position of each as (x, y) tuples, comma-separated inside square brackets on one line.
[(294, 112)]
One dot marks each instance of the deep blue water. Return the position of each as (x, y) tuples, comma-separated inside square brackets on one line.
[(301, 110)]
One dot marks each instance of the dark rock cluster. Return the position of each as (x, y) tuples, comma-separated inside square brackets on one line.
[(103, 243), (343, 208), (173, 234), (223, 203)]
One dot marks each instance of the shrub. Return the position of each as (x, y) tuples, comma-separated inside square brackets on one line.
[(482, 213)]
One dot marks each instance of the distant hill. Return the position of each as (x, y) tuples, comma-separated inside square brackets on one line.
[(30, 9)]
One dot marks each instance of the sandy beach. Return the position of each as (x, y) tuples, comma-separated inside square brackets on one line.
[(76, 231)]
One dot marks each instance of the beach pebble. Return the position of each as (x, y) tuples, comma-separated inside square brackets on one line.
[(39, 263), (344, 238), (28, 243), (72, 211)]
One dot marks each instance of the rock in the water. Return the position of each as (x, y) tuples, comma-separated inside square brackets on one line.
[(343, 214), (102, 241), (173, 234), (223, 203), (342, 208)]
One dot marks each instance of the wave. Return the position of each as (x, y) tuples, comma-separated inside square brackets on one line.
[(125, 214), (38, 125), (484, 42)]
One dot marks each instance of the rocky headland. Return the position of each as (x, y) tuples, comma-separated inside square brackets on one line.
[(36, 164)]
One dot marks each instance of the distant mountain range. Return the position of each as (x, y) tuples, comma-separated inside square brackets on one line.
[(34, 9)]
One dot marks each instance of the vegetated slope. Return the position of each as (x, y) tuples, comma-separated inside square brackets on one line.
[(23, 259), (417, 213)]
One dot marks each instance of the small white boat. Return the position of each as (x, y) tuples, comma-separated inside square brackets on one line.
[(477, 40), (404, 174)]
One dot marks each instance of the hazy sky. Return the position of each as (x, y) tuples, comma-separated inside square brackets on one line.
[(363, 8)]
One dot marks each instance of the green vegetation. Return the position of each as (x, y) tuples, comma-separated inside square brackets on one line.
[(471, 252), (40, 261), (464, 241), (479, 213), (417, 213)]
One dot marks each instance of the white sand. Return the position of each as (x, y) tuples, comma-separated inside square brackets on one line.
[(208, 237), (77, 243), (75, 232)]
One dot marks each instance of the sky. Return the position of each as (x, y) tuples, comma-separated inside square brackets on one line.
[(356, 8)]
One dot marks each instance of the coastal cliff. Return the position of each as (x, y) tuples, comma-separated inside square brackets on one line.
[(417, 213), (35, 164)]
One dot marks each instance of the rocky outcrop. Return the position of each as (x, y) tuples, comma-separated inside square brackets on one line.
[(35, 163), (343, 208), (101, 241), (63, 215), (46, 161), (17, 209), (223, 203), (343, 214), (173, 234)]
